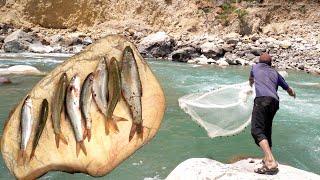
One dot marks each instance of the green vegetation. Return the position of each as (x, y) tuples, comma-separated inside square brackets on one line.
[(228, 10)]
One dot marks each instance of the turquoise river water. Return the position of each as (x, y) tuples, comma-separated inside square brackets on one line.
[(296, 132)]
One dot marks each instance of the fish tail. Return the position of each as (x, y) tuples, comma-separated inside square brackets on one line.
[(32, 154), (132, 131), (63, 139), (111, 125), (80, 146), (117, 119), (21, 157), (88, 134), (140, 131)]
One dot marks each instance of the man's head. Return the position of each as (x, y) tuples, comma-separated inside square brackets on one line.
[(265, 58)]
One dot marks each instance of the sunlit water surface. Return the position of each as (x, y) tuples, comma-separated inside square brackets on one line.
[(296, 132)]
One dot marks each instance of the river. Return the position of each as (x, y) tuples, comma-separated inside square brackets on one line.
[(296, 132)]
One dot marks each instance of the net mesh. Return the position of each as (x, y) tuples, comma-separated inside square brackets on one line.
[(222, 112)]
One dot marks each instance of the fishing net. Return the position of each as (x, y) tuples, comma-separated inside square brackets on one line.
[(221, 112)]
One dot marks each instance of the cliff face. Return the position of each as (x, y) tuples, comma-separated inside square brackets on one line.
[(87, 13), (176, 16)]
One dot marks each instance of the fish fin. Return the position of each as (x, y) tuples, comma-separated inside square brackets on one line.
[(63, 139), (117, 119), (132, 131), (84, 134), (111, 125), (32, 154), (57, 140), (88, 134), (80, 146), (21, 157), (140, 129)]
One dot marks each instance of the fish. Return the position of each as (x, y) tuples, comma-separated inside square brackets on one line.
[(114, 89), (57, 106), (74, 113), (85, 103), (99, 86), (26, 128), (41, 124), (131, 89)]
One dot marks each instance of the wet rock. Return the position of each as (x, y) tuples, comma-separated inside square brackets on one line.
[(257, 51), (87, 40), (18, 35), (76, 48), (301, 66), (222, 62), (12, 46), (4, 80), (39, 48), (55, 39), (202, 60), (210, 49), (156, 45), (184, 54), (249, 56), (231, 58)]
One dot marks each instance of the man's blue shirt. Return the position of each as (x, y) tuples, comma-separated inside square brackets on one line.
[(267, 80)]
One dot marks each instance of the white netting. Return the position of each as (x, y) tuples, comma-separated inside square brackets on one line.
[(221, 112)]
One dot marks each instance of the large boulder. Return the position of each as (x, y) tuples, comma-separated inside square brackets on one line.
[(12, 46), (184, 54), (211, 49), (208, 169), (18, 35), (17, 41), (156, 45), (39, 48), (20, 69)]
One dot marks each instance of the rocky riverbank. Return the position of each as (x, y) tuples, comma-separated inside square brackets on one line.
[(294, 45)]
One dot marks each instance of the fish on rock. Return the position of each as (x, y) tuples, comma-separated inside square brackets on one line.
[(74, 113), (41, 124), (57, 106), (99, 86), (132, 91), (26, 128), (114, 89), (85, 103), (100, 91)]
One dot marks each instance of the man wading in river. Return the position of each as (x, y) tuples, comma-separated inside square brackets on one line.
[(266, 104)]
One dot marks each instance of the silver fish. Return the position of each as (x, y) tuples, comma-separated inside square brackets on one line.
[(85, 103), (73, 109), (114, 89), (99, 86), (26, 128), (41, 124), (57, 107), (132, 91)]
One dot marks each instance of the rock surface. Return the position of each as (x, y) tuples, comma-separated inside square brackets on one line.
[(159, 44), (20, 69), (208, 169), (104, 152)]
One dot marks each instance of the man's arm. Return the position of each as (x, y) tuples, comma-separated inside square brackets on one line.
[(285, 86), (251, 78)]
